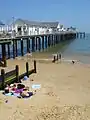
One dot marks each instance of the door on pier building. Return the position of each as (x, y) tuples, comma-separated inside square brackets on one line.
[(19, 30)]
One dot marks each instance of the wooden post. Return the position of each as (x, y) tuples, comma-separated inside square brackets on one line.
[(54, 59), (52, 40), (16, 48), (4, 55), (80, 35), (27, 69), (39, 44), (59, 38), (17, 74), (49, 40), (5, 62), (56, 39), (28, 45), (8, 51), (63, 37), (35, 66), (77, 35), (22, 47), (3, 78), (84, 34), (13, 48), (36, 44), (43, 42), (33, 44), (3, 52)]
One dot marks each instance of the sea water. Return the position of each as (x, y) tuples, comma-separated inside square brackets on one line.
[(79, 49)]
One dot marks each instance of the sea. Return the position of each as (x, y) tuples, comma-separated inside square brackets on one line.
[(77, 49)]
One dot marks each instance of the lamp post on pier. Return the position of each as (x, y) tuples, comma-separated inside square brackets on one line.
[(13, 28)]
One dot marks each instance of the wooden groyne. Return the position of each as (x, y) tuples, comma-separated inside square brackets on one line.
[(39, 42), (13, 76)]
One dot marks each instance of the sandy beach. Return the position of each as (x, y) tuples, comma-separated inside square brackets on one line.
[(64, 93)]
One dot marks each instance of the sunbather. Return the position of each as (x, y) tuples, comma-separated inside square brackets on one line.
[(25, 94)]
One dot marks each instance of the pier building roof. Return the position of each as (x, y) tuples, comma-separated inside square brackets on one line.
[(37, 24)]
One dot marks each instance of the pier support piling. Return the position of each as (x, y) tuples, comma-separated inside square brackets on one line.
[(36, 41), (33, 44), (28, 45), (46, 42), (8, 46), (56, 40), (49, 42), (42, 42), (22, 47), (4, 55), (3, 51), (13, 49), (39, 43), (16, 48)]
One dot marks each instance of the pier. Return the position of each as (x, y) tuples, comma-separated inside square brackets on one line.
[(39, 43), (80, 34)]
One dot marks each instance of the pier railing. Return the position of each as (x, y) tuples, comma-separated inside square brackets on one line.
[(38, 34), (14, 76)]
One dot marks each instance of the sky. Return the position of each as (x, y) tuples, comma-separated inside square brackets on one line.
[(74, 13)]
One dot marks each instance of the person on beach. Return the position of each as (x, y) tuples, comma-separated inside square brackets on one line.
[(29, 54), (26, 93), (73, 61), (60, 56)]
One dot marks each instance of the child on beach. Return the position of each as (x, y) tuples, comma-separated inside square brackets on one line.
[(73, 61), (29, 54)]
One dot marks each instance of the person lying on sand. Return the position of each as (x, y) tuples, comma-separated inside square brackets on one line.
[(26, 94), (17, 88)]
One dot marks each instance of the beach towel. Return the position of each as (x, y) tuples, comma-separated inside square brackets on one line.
[(36, 86), (8, 94), (16, 94)]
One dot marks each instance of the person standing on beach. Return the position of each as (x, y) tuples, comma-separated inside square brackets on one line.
[(60, 56), (29, 54)]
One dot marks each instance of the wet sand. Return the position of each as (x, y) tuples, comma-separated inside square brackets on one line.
[(64, 93)]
